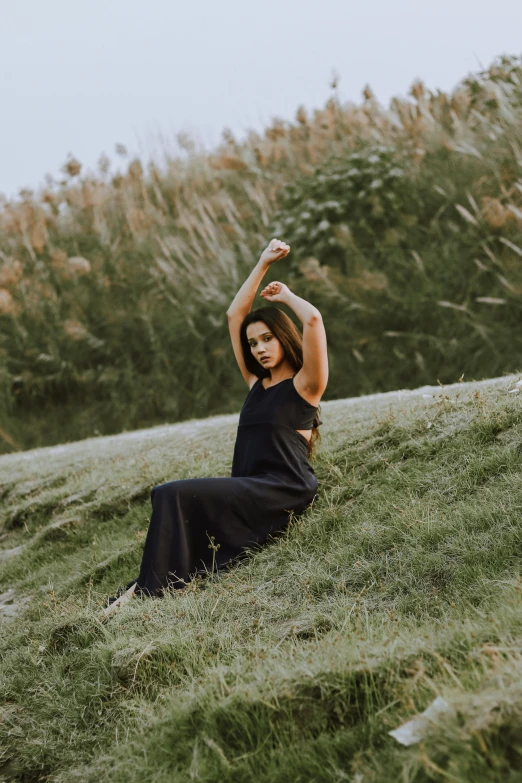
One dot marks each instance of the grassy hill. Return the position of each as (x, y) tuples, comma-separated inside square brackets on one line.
[(401, 583)]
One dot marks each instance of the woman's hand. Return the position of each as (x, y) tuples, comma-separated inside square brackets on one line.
[(276, 292), (274, 251)]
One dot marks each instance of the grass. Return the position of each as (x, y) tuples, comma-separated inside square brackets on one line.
[(405, 225), (401, 583)]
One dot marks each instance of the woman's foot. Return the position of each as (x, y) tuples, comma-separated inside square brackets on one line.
[(121, 598), (121, 591)]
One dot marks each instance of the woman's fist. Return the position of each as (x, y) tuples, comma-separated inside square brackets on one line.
[(276, 292), (275, 251)]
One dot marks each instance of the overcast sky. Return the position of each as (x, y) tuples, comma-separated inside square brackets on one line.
[(79, 77)]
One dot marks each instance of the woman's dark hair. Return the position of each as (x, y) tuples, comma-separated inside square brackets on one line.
[(291, 341)]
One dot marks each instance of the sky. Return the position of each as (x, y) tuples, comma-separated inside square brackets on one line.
[(78, 78)]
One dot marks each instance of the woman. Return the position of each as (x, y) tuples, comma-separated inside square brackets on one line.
[(204, 523)]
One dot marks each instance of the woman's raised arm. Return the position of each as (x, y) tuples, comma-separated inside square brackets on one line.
[(242, 302), (312, 378)]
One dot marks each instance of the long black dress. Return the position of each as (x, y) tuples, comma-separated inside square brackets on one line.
[(271, 476)]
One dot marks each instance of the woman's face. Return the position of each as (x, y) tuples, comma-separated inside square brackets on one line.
[(264, 345)]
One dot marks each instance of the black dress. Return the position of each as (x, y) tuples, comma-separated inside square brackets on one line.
[(271, 476)]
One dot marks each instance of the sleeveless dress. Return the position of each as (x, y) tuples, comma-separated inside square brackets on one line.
[(271, 476)]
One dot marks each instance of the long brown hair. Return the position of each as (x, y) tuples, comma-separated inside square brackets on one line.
[(292, 343)]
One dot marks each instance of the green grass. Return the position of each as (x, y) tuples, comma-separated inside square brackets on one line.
[(401, 583)]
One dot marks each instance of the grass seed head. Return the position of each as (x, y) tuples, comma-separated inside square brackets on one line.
[(495, 214), (72, 167), (10, 273), (79, 266), (7, 304)]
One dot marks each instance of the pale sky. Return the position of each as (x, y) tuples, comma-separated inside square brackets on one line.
[(79, 77)]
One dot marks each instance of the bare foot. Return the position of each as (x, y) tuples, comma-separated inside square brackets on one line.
[(123, 599)]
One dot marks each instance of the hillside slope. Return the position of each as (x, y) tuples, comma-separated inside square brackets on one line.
[(400, 584)]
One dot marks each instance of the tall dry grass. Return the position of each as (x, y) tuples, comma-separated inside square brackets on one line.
[(113, 288)]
